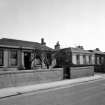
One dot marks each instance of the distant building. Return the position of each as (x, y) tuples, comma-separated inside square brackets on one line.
[(99, 61), (19, 54), (76, 62)]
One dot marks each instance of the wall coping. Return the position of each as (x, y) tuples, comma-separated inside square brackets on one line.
[(29, 71), (77, 68)]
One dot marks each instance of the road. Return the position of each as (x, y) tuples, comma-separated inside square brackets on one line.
[(88, 93)]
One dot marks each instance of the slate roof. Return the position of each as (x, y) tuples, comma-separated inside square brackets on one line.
[(77, 50), (13, 43), (97, 52)]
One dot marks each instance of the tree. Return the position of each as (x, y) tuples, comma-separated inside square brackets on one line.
[(62, 58)]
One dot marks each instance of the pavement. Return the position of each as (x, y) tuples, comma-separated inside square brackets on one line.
[(13, 91)]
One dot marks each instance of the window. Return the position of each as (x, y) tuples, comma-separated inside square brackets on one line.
[(1, 57), (13, 58), (81, 59), (102, 60), (98, 60), (78, 59), (87, 59), (93, 59), (84, 59), (90, 59), (74, 59)]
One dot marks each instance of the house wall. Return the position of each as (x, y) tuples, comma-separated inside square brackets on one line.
[(20, 59), (6, 60), (27, 77), (74, 59)]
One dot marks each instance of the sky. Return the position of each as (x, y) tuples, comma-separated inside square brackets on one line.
[(71, 22)]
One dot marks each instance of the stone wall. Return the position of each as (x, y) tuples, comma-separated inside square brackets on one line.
[(27, 77), (76, 72), (15, 78)]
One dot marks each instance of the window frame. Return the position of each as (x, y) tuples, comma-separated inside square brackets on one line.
[(11, 57)]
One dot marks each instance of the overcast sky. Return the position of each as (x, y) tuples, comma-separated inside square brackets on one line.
[(71, 22)]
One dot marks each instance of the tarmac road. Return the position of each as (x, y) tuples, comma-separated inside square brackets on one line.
[(88, 93)]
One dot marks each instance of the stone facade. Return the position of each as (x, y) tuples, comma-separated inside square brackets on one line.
[(22, 60), (16, 54)]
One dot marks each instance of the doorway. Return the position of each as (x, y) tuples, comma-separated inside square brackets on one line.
[(27, 60)]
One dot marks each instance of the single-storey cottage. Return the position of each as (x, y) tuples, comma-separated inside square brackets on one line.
[(19, 54), (76, 62), (99, 64)]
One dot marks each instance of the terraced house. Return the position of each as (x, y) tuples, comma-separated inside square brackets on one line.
[(25, 62), (18, 54)]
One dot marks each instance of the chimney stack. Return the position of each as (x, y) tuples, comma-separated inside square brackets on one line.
[(97, 49), (42, 42), (57, 46), (81, 47)]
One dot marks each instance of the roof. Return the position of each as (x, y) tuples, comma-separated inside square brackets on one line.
[(77, 50), (13, 43), (97, 52)]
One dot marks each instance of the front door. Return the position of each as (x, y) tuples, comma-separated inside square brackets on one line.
[(27, 60)]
